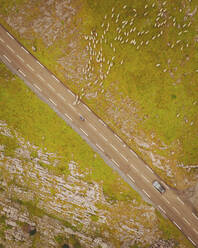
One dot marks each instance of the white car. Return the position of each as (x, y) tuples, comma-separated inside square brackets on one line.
[(157, 185)]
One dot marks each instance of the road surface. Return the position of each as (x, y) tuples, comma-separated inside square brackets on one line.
[(97, 134)]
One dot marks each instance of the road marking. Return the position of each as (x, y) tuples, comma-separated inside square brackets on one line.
[(180, 200), (72, 107), (166, 200), (51, 87), (192, 241), (161, 209), (195, 216), (176, 210), (99, 147), (10, 48), (68, 116), (102, 136), (2, 40), (186, 220), (195, 230), (30, 67), (114, 147), (83, 131), (22, 72), (131, 178), (25, 50), (38, 75), (115, 162), (61, 97), (102, 122), (86, 107), (124, 145), (39, 63), (177, 225), (146, 179), (117, 137), (149, 169), (92, 126), (7, 58), (70, 92), (133, 153), (52, 101), (10, 35), (146, 193), (55, 78), (134, 167), (37, 87), (123, 157), (20, 58)]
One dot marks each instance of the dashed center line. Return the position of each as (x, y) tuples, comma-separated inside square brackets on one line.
[(114, 147), (38, 75), (177, 225), (161, 209), (2, 40), (24, 50), (146, 179), (103, 137), (7, 58), (134, 168), (72, 107), (51, 87), (83, 131), (37, 87), (133, 153), (92, 126), (39, 63), (10, 48), (131, 178), (62, 97), (68, 116), (176, 210), (102, 122), (192, 241), (10, 35), (52, 101), (18, 56), (115, 162), (99, 147), (195, 230), (186, 220), (30, 67), (166, 200), (195, 216), (146, 193), (22, 72), (180, 200), (123, 157), (70, 92), (87, 108)]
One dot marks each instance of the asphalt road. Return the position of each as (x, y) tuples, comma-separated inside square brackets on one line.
[(113, 150)]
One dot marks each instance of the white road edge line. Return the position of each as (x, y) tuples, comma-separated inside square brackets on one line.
[(186, 221), (161, 209), (30, 67), (180, 200), (131, 178), (83, 131), (37, 87), (115, 162), (92, 126), (39, 63), (134, 167), (7, 58), (24, 50), (149, 169), (166, 200), (117, 137), (176, 210), (2, 40), (146, 193), (61, 97), (192, 241), (146, 179), (70, 92), (195, 216), (68, 116), (38, 75), (103, 137), (99, 147), (177, 225), (52, 101), (10, 48), (133, 153), (102, 122), (22, 72), (86, 107), (18, 56), (51, 87), (114, 147), (195, 230), (55, 78), (123, 157), (10, 35)]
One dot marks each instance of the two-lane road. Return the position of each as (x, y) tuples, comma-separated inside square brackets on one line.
[(97, 134)]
